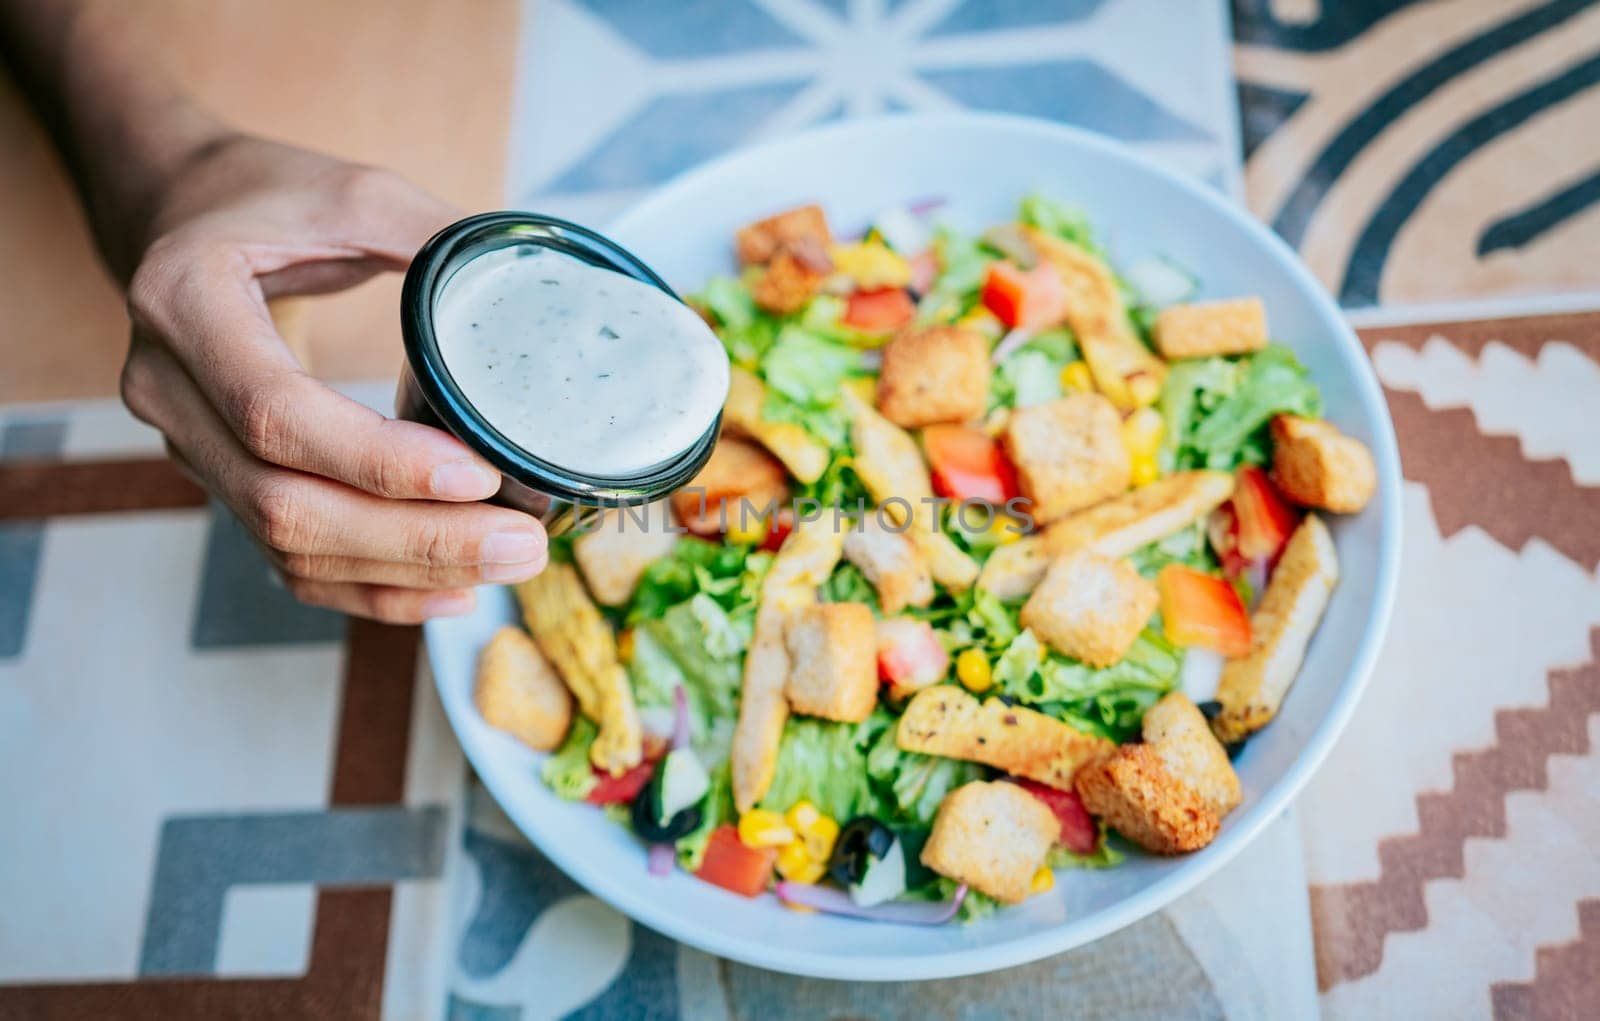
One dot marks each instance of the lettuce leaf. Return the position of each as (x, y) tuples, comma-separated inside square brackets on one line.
[(728, 574), (963, 263), (1104, 856), (1110, 701), (912, 785), (1032, 374), (808, 369), (1065, 220), (1188, 547), (746, 331), (1217, 409), (826, 763), (848, 585), (567, 771), (718, 810)]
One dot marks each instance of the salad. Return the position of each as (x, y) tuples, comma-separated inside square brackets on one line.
[(1002, 557)]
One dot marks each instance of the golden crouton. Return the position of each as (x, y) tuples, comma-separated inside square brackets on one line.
[(804, 455), (1316, 465), (787, 284), (934, 374), (1179, 733), (1122, 367), (518, 691), (891, 563), (1090, 607), (993, 837), (833, 661), (1068, 454), (760, 241), (623, 543), (1205, 328), (576, 638), (892, 470), (1114, 528), (1139, 797), (1252, 687), (739, 478), (946, 720), (805, 561)]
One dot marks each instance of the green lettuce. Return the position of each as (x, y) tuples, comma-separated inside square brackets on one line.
[(964, 261), (848, 585), (1064, 220), (826, 763), (746, 331), (912, 785), (1104, 856), (1188, 547), (717, 809), (567, 771), (728, 574), (808, 369), (1032, 374), (1217, 409), (1110, 701)]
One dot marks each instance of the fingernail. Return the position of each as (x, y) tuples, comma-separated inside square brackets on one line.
[(511, 572), (510, 548), (449, 604), (463, 480)]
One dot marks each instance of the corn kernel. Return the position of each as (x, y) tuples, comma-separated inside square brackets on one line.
[(1144, 388), (796, 864), (1075, 378), (1007, 530), (802, 814), (972, 670), (1043, 880), (871, 264), (864, 387), (816, 831), (747, 532), (760, 828), (1145, 471), (1142, 432), (625, 646)]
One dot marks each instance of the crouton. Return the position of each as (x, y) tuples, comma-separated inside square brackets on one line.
[(1115, 528), (891, 469), (613, 556), (934, 374), (1205, 328), (804, 455), (758, 242), (1179, 733), (1126, 371), (891, 563), (1252, 687), (576, 638), (805, 561), (1090, 607), (788, 283), (910, 656), (740, 478), (1316, 465), (833, 661), (1068, 454), (946, 720), (518, 691), (1139, 797), (993, 837)]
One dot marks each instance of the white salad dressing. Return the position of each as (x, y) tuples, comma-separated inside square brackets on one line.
[(580, 366)]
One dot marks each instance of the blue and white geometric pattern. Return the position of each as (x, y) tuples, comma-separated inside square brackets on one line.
[(618, 96)]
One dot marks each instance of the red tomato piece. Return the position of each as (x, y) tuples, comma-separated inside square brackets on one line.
[(733, 866), (967, 465), (620, 790), (1030, 299), (1265, 520), (1079, 832), (880, 311), (1202, 609), (778, 530), (910, 655)]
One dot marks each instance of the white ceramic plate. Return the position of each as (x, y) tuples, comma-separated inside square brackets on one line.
[(982, 165)]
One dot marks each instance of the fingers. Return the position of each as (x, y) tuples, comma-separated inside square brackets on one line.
[(208, 311), (297, 514), (386, 572), (383, 602)]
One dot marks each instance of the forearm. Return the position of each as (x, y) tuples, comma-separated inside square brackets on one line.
[(123, 128)]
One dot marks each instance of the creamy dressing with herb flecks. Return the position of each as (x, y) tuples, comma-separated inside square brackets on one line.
[(580, 366)]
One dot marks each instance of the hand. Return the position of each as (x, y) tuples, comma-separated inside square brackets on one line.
[(359, 513)]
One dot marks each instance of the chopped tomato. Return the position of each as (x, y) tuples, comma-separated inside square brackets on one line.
[(1031, 299), (910, 655), (733, 866), (620, 790), (880, 311), (1265, 520), (967, 465), (1202, 609), (1222, 528), (1079, 832), (924, 270), (778, 529)]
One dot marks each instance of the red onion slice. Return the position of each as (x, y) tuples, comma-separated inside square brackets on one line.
[(680, 718), (1009, 343), (926, 205), (662, 858), (833, 901)]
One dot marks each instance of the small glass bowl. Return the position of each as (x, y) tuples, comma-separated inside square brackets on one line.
[(562, 498)]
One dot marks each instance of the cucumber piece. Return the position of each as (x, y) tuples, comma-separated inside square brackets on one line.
[(683, 783), (884, 880)]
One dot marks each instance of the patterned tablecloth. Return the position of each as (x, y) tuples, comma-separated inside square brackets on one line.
[(224, 804)]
